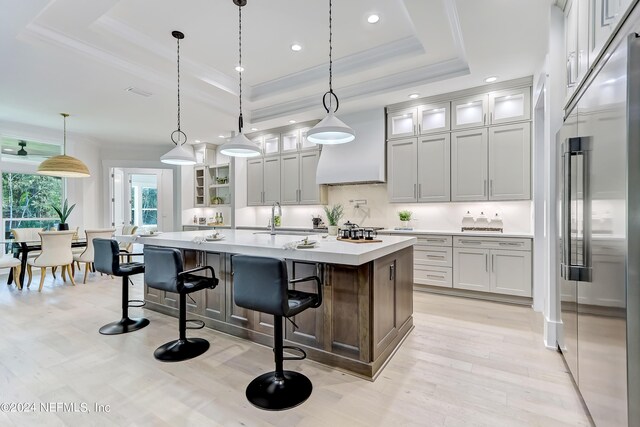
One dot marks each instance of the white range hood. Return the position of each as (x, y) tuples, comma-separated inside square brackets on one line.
[(361, 160)]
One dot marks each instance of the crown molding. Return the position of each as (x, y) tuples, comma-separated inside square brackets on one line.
[(365, 59), (417, 76)]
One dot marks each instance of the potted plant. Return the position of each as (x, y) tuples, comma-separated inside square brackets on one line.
[(64, 214), (217, 200), (405, 217), (333, 217)]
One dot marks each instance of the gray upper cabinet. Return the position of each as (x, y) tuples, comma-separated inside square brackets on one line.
[(255, 178), (512, 105), (403, 123), (469, 112), (434, 168), (434, 118), (510, 162), (271, 180), (309, 193), (469, 165), (289, 178), (402, 169)]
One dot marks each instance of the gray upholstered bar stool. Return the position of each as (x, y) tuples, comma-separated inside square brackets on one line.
[(165, 271), (262, 284), (106, 259)]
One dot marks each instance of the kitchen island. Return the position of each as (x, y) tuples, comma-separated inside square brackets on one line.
[(367, 307)]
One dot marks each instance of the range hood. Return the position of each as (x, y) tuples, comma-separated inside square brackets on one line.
[(361, 160)]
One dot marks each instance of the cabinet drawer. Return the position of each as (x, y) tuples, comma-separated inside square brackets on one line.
[(510, 243), (432, 255), (433, 240), (434, 276)]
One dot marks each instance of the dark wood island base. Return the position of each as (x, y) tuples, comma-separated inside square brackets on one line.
[(366, 313)]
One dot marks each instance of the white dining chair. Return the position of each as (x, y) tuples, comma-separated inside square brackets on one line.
[(56, 252), (87, 255), (27, 235), (127, 230), (9, 261)]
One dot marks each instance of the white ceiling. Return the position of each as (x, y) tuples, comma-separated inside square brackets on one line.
[(78, 57)]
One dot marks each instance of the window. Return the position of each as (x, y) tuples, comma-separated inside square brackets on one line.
[(149, 206), (28, 200)]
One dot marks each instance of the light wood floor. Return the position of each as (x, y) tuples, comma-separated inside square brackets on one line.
[(466, 362)]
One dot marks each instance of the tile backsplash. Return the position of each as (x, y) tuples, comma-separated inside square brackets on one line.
[(367, 205)]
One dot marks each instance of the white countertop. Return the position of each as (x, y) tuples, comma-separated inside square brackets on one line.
[(458, 233), (329, 250)]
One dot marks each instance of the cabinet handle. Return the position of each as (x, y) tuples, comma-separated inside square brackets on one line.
[(436, 240), (490, 187), (473, 242), (419, 191), (435, 276), (484, 119), (419, 129), (486, 262), (414, 129), (491, 118), (493, 265), (510, 243), (436, 256), (392, 271), (484, 188), (415, 191)]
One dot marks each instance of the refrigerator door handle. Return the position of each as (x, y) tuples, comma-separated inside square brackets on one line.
[(576, 268)]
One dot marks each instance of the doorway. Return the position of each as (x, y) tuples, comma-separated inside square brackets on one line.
[(142, 197)]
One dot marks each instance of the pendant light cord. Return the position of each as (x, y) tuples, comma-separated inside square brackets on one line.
[(178, 40), (240, 119), (64, 135), (330, 92), (177, 135)]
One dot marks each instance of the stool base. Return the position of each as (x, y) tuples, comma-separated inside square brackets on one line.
[(266, 392), (178, 350), (123, 326)]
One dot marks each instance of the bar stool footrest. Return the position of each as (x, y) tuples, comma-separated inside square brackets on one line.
[(137, 303), (199, 324), (301, 357)]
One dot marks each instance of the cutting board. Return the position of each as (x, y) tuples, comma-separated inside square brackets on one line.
[(359, 240)]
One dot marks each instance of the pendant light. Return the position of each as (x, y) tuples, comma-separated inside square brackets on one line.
[(330, 130), (182, 154), (239, 145), (64, 166)]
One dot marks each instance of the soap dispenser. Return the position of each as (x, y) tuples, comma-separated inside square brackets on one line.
[(468, 221)]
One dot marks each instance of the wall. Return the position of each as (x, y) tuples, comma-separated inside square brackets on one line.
[(517, 216)]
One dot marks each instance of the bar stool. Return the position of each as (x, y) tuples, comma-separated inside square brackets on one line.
[(107, 261), (165, 271), (262, 284)]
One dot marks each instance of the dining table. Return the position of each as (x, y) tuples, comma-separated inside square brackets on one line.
[(21, 249)]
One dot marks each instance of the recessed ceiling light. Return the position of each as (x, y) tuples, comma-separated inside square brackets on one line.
[(414, 95), (254, 129), (239, 69), (292, 121), (220, 136), (373, 19), (296, 47), (9, 150), (491, 79)]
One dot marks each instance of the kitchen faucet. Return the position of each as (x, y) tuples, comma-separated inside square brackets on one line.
[(273, 216)]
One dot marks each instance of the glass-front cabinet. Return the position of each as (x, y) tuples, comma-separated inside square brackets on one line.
[(469, 112), (511, 105), (271, 144), (403, 123), (305, 144), (434, 118), (290, 141)]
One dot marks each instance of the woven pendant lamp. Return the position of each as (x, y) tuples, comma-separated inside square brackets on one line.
[(64, 166)]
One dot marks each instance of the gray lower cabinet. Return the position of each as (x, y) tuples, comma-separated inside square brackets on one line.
[(472, 269)]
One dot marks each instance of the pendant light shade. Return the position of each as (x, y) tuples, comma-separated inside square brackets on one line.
[(240, 145), (181, 154), (64, 166), (331, 130)]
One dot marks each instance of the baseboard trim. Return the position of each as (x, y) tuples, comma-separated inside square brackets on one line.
[(552, 330)]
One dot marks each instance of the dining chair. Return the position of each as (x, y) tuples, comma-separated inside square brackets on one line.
[(9, 261), (56, 252), (127, 230), (27, 235), (88, 255)]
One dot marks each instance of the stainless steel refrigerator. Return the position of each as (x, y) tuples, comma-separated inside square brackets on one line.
[(599, 233)]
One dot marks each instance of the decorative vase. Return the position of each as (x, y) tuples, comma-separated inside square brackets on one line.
[(405, 224), (63, 227), (333, 230)]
